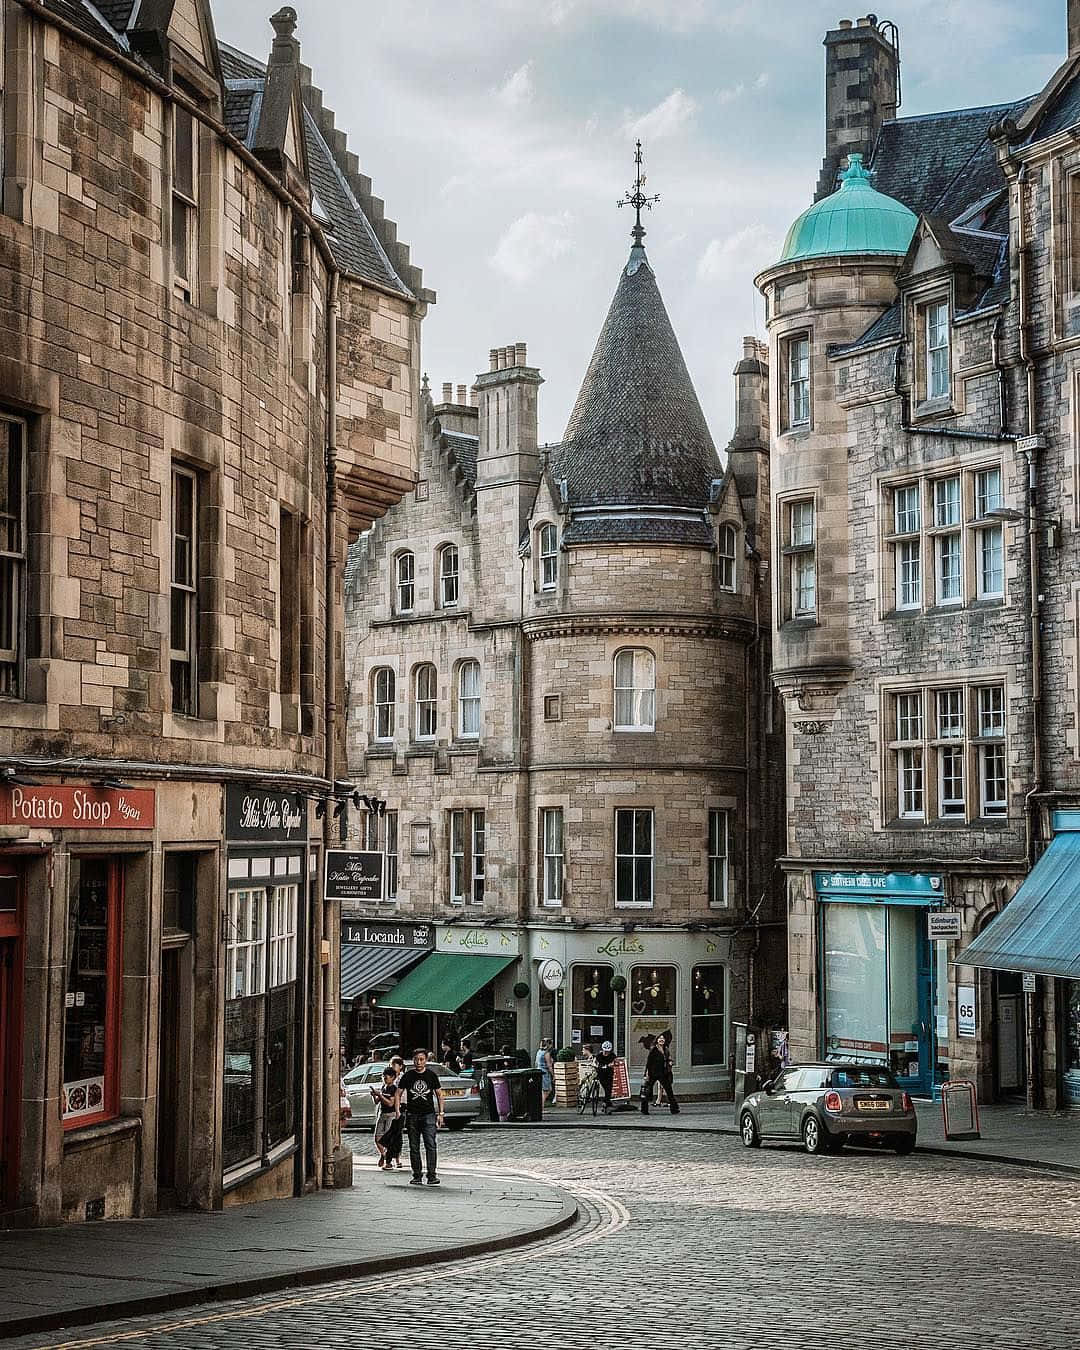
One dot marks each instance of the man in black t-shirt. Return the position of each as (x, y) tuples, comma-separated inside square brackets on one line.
[(423, 1112)]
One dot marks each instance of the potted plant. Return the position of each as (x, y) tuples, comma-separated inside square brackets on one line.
[(566, 1077)]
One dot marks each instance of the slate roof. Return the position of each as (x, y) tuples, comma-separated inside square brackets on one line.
[(78, 14), (884, 327), (1062, 113), (648, 529), (117, 12), (239, 102), (463, 452), (637, 435)]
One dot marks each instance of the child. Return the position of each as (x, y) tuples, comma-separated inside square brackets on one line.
[(387, 1125)]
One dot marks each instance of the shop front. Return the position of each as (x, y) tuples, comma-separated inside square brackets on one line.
[(883, 985), (375, 956)]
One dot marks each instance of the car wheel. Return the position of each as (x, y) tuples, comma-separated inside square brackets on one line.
[(456, 1125), (749, 1131), (813, 1136), (904, 1145)]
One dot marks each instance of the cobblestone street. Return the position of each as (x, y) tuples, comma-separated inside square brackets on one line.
[(696, 1242)]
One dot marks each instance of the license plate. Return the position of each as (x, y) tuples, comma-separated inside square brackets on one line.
[(454, 1092), (870, 1104)]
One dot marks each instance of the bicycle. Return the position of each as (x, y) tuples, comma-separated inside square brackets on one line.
[(589, 1094)]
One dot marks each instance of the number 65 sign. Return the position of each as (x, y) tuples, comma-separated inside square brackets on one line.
[(965, 1010)]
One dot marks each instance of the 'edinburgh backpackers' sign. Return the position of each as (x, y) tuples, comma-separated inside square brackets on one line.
[(353, 875), (264, 816), (363, 934), (78, 808)]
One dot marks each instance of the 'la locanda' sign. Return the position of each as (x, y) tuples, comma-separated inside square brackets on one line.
[(263, 816)]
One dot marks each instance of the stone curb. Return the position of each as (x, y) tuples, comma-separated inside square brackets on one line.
[(968, 1155), (267, 1284)]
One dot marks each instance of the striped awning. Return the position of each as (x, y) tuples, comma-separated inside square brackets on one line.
[(367, 968)]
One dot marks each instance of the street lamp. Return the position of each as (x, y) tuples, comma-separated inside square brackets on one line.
[(1009, 515)]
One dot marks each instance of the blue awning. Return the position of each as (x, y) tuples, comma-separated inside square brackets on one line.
[(1038, 931), (367, 968)]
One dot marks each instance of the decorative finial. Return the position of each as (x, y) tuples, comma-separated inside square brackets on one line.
[(284, 21), (637, 200)]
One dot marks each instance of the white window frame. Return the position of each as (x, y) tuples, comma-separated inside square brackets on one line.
[(938, 354), (801, 558), (989, 563), (426, 691), (184, 590), (449, 576), (404, 582), (390, 852), (637, 860), (467, 858), (949, 753), (184, 220), (552, 857), (383, 703), (469, 706), (634, 687), (282, 905), (993, 765), (798, 380), (547, 546), (245, 946), (718, 844), (727, 546)]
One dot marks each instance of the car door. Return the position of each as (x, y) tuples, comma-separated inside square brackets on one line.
[(774, 1111)]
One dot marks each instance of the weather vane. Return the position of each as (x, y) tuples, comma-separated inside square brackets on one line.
[(637, 199)]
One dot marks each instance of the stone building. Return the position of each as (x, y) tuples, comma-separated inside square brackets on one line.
[(923, 470), (193, 275), (558, 663)]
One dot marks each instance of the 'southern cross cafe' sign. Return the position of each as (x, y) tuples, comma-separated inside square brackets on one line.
[(78, 808)]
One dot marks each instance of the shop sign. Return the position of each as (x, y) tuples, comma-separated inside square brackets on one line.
[(477, 939), (263, 816), (78, 808), (944, 925), (353, 875), (359, 933), (965, 1011), (872, 886), (1027, 983), (626, 944), (551, 973)]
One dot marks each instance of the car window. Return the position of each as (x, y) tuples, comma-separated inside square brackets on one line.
[(810, 1080), (863, 1076), (785, 1081)]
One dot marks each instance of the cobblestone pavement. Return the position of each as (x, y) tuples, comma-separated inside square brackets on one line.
[(698, 1243)]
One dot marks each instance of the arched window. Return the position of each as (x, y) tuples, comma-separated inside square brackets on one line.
[(448, 576), (726, 541), (427, 702), (548, 549), (404, 583), (469, 700), (635, 689), (382, 703)]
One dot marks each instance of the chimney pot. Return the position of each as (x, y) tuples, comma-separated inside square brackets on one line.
[(865, 23), (447, 393), (461, 393), (520, 351), (844, 23), (502, 358), (493, 357)]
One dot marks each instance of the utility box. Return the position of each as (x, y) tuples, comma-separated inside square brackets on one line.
[(748, 1061)]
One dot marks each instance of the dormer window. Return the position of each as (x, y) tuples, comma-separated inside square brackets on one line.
[(548, 548), (937, 351), (726, 542)]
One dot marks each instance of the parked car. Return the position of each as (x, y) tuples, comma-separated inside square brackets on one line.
[(461, 1093), (830, 1105), (344, 1109), (384, 1045)]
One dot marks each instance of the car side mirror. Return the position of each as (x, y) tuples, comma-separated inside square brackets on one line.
[(767, 1087)]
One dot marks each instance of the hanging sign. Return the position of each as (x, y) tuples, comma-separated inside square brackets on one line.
[(551, 973), (78, 808), (965, 1011), (944, 925), (264, 816), (353, 875)]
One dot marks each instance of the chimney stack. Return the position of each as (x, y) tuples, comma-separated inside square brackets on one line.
[(461, 394), (748, 449), (862, 82), (1074, 28), (447, 392)]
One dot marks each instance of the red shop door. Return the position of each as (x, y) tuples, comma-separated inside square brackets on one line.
[(10, 1034)]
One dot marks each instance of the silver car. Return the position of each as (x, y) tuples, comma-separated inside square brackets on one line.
[(460, 1093), (828, 1106)]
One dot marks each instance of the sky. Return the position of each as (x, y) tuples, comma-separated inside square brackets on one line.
[(500, 136)]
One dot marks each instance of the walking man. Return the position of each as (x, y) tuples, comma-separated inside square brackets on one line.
[(423, 1112)]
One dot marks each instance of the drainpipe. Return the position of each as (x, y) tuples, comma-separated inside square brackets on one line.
[(330, 1132)]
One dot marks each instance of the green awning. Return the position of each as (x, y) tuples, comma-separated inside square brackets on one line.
[(1038, 931), (443, 982)]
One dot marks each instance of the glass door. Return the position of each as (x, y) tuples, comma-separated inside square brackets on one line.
[(910, 1029)]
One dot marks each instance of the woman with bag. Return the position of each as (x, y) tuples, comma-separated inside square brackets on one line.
[(658, 1070)]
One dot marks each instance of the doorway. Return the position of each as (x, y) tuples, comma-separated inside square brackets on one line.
[(1010, 1040), (10, 1035)]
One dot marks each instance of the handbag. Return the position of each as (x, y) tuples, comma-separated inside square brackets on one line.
[(646, 1088)]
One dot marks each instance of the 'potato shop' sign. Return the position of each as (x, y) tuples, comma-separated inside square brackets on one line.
[(78, 808)]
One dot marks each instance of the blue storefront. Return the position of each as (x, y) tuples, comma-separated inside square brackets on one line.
[(883, 986)]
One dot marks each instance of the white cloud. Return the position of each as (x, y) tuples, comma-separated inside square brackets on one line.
[(531, 243), (667, 118), (518, 88), (730, 95), (735, 259)]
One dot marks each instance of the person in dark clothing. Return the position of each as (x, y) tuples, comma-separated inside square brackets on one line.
[(424, 1111), (466, 1056), (658, 1070), (605, 1071)]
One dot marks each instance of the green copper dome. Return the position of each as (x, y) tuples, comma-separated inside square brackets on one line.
[(854, 219)]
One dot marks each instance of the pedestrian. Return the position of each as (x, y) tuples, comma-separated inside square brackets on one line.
[(423, 1113), (664, 1074), (605, 1069), (387, 1120), (466, 1056), (545, 1062)]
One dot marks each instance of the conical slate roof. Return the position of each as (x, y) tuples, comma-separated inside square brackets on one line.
[(637, 436)]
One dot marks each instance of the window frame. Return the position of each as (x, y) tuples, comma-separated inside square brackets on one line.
[(797, 392), (547, 557), (449, 577), (644, 812), (696, 1018), (799, 553), (552, 858), (384, 709), (938, 373), (404, 561), (184, 593), (718, 874), (466, 855), (426, 706), (642, 698), (473, 700), (391, 855), (13, 564), (184, 217), (727, 552)]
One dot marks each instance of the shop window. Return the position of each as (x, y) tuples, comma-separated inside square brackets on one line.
[(551, 864), (727, 539), (948, 753), (184, 595), (942, 528), (185, 205), (92, 994), (404, 583), (800, 560), (12, 554), (448, 576), (635, 689), (592, 1006), (467, 857), (383, 704), (469, 700), (548, 550), (633, 857), (718, 858), (653, 1006), (707, 1015), (427, 702), (260, 1019)]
